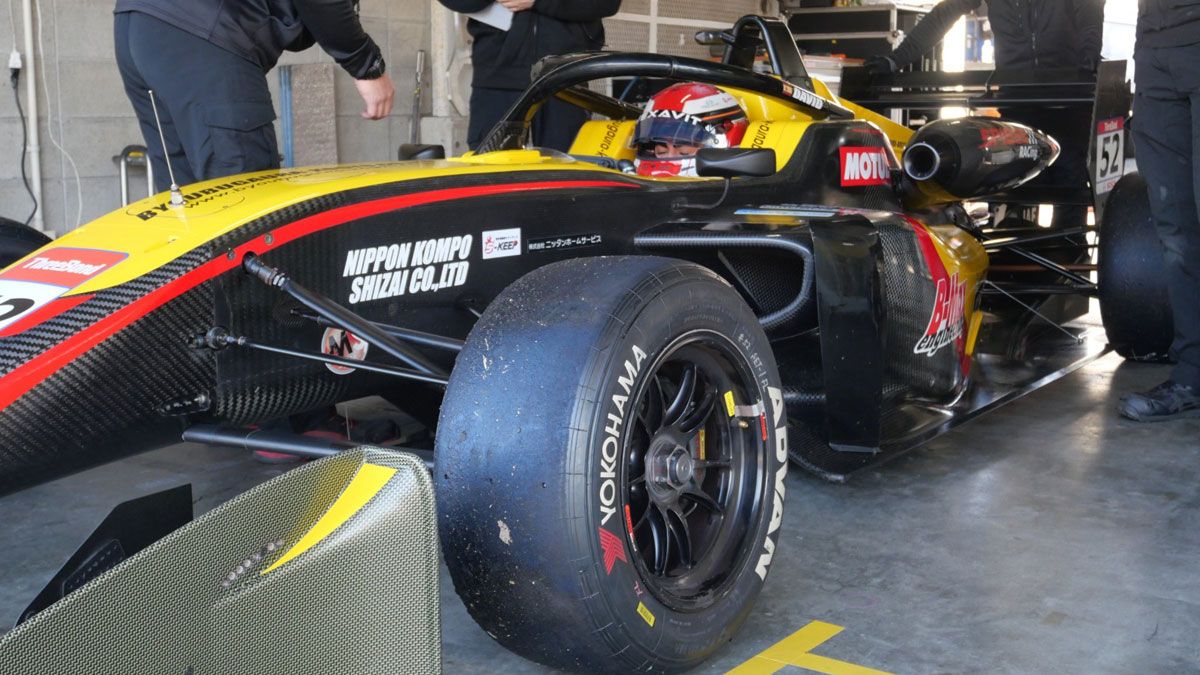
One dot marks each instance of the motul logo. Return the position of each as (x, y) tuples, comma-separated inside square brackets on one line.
[(865, 166)]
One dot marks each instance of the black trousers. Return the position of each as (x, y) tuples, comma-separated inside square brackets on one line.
[(215, 107), (1166, 131), (555, 125)]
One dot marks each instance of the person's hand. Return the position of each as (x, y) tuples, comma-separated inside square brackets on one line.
[(377, 94), (880, 65), (516, 5)]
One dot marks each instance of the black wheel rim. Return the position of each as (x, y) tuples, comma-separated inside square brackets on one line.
[(693, 473)]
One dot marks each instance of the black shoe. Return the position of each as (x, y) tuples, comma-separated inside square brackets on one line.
[(1167, 401)]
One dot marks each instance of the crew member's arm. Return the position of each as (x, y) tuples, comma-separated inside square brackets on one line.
[(577, 10), (335, 25), (927, 33), (465, 6), (1089, 23)]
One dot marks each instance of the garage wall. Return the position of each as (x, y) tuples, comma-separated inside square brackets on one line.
[(81, 104), (669, 26), (87, 110)]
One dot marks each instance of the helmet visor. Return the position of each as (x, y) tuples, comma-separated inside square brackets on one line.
[(655, 130)]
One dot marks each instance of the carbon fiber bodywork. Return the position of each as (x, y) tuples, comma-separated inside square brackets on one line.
[(107, 402)]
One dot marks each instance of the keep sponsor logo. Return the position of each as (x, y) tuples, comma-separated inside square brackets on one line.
[(861, 166), (501, 243), (343, 344), (48, 275)]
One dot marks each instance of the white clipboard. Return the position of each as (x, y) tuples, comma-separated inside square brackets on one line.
[(495, 15)]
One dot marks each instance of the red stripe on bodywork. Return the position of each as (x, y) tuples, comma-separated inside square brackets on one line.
[(33, 372), (928, 250)]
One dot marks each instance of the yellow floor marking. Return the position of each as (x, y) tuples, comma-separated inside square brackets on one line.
[(794, 651)]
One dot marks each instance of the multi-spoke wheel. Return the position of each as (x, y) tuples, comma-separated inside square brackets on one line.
[(690, 468), (610, 464)]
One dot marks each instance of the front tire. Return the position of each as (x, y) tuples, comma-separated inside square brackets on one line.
[(604, 504)]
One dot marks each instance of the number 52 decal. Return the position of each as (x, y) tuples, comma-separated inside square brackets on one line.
[(1110, 154)]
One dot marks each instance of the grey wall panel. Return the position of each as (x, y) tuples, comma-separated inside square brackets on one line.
[(680, 41), (628, 36), (725, 11)]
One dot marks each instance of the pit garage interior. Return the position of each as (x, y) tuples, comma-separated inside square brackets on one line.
[(1035, 531)]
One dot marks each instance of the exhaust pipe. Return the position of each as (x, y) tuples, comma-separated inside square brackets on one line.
[(953, 160), (921, 161)]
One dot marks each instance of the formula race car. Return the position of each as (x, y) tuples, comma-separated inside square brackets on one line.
[(615, 369)]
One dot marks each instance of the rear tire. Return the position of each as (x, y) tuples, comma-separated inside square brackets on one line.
[(562, 483), (1133, 292), (18, 240)]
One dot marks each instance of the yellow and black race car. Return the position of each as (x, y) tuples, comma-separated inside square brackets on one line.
[(617, 368)]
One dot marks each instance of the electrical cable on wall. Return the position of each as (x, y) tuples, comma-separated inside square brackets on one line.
[(49, 126), (14, 66), (16, 76)]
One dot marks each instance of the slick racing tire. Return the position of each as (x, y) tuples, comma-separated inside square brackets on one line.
[(610, 464), (1133, 290), (17, 241)]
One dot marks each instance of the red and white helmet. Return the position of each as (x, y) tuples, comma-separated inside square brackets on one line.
[(689, 114)]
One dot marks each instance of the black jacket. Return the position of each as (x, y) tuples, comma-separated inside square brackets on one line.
[(502, 59), (261, 30), (1029, 33), (1168, 23)]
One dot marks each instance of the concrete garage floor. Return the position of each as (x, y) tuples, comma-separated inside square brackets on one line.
[(1048, 536)]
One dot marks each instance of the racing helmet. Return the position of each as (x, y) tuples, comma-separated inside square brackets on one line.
[(688, 114)]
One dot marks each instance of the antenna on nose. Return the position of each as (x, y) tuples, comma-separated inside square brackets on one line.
[(176, 193)]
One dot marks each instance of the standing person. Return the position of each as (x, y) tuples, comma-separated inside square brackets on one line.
[(502, 60), (1030, 34), (206, 61), (1166, 129)]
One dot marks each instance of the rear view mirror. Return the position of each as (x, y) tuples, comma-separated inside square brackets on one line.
[(734, 162), (421, 151)]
